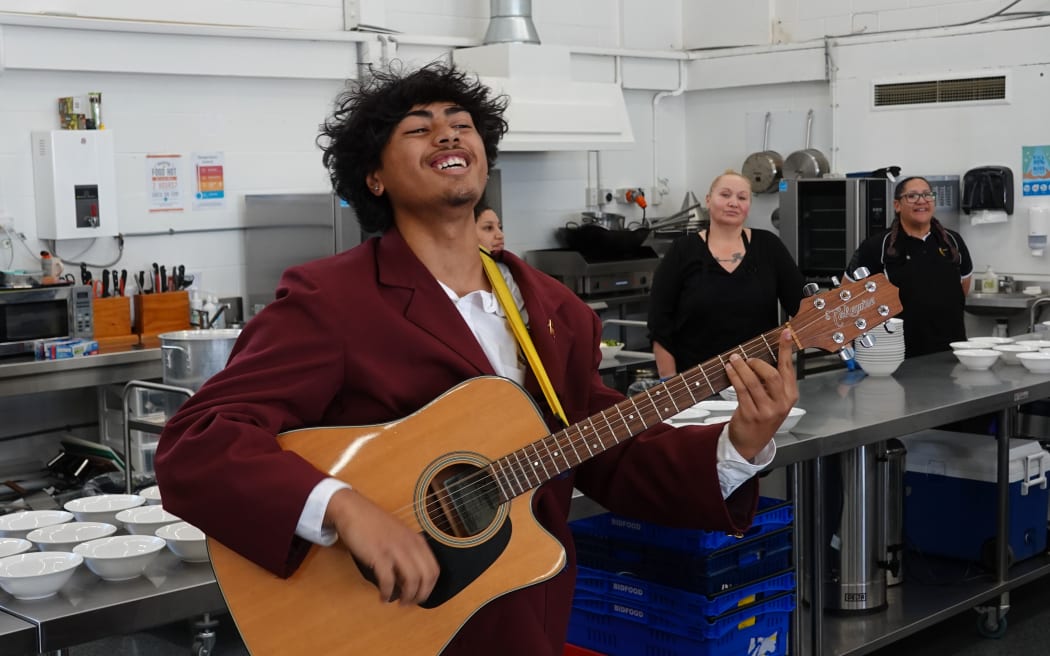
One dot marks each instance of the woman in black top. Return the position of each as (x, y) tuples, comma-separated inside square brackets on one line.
[(928, 263), (719, 288)]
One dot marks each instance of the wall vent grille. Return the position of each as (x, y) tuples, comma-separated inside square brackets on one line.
[(968, 89)]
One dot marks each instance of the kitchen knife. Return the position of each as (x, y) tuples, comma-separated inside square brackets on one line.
[(156, 278), (123, 280), (105, 283), (163, 278)]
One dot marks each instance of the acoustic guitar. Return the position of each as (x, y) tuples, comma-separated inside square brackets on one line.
[(468, 489)]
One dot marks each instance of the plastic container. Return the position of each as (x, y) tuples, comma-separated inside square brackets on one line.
[(710, 573), (772, 514), (950, 503), (603, 586), (760, 629)]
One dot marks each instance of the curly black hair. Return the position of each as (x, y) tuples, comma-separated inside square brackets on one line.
[(367, 112)]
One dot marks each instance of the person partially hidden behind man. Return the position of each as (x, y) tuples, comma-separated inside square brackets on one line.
[(377, 332)]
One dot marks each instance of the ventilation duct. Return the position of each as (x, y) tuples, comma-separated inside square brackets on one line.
[(547, 109), (510, 21)]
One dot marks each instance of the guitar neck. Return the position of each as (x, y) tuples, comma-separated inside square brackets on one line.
[(542, 460)]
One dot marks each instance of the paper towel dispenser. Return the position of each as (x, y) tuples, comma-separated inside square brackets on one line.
[(988, 188)]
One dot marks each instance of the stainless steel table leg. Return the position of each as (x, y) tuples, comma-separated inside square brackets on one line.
[(992, 623), (816, 557), (796, 494)]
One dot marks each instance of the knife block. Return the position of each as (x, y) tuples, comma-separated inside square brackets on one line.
[(111, 319), (161, 313)]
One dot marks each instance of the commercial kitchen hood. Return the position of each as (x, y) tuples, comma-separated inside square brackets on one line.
[(547, 109)]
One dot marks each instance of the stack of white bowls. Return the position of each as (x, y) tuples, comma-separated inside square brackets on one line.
[(882, 358)]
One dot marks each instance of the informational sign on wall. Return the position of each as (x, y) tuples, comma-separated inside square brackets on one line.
[(1035, 170), (164, 183), (210, 181)]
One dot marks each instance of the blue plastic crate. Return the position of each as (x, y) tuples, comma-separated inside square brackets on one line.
[(760, 630), (599, 584), (772, 514), (709, 574)]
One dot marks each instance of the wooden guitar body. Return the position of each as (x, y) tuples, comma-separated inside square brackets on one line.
[(328, 604)]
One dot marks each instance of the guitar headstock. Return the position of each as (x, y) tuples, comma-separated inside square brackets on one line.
[(833, 318)]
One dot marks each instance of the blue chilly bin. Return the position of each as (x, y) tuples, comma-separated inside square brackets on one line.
[(950, 495)]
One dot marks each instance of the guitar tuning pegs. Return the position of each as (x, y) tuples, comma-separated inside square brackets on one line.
[(866, 340), (835, 282), (847, 353), (810, 288), (860, 273)]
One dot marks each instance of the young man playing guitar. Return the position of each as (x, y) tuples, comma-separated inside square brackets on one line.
[(375, 334)]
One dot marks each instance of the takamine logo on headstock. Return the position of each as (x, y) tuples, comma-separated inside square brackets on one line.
[(832, 319)]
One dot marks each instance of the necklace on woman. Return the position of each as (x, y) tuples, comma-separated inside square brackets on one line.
[(735, 257)]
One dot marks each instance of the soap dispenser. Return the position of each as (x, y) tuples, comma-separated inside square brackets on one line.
[(989, 282)]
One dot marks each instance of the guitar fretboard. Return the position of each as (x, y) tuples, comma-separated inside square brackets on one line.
[(542, 460)]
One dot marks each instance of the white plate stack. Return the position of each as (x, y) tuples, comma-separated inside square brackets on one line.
[(882, 358)]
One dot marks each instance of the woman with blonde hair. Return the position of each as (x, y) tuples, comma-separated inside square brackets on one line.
[(719, 287)]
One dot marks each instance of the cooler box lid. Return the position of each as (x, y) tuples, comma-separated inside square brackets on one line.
[(974, 457)]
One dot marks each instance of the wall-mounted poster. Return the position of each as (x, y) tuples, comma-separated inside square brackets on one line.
[(1035, 170), (164, 183), (210, 182)]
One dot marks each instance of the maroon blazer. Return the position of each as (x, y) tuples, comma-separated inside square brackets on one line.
[(368, 336)]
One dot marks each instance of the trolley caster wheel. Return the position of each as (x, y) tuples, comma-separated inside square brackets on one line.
[(988, 631)]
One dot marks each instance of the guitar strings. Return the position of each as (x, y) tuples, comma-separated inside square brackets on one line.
[(757, 347), (678, 385)]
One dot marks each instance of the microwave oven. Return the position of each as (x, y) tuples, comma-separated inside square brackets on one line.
[(51, 312)]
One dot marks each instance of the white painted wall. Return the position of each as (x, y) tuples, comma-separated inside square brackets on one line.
[(263, 112)]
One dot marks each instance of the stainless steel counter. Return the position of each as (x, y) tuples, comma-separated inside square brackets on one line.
[(119, 366), (88, 608), (625, 359), (845, 409), (17, 637)]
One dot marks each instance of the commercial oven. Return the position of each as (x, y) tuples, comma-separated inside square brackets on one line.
[(823, 221)]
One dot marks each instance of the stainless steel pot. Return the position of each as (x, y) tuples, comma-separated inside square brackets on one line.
[(764, 169), (808, 162), (193, 356)]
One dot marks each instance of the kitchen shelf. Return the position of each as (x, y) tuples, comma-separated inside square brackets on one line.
[(915, 606)]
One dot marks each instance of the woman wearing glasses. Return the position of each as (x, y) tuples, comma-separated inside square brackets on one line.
[(928, 263)]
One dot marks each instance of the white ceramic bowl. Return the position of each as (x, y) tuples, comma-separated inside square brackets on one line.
[(103, 507), (1038, 362), (880, 368), (977, 359), (151, 494), (794, 415), (145, 520), (610, 351), (1038, 343), (37, 574), (988, 339), (1010, 352), (120, 557), (185, 541), (968, 345), (12, 546), (716, 407), (63, 537), (688, 416), (19, 524)]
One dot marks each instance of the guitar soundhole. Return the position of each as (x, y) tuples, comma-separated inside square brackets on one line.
[(462, 500)]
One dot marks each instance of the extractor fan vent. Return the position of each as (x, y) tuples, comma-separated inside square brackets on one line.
[(928, 92)]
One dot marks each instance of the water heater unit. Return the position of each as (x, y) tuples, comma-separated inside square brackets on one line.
[(75, 180)]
